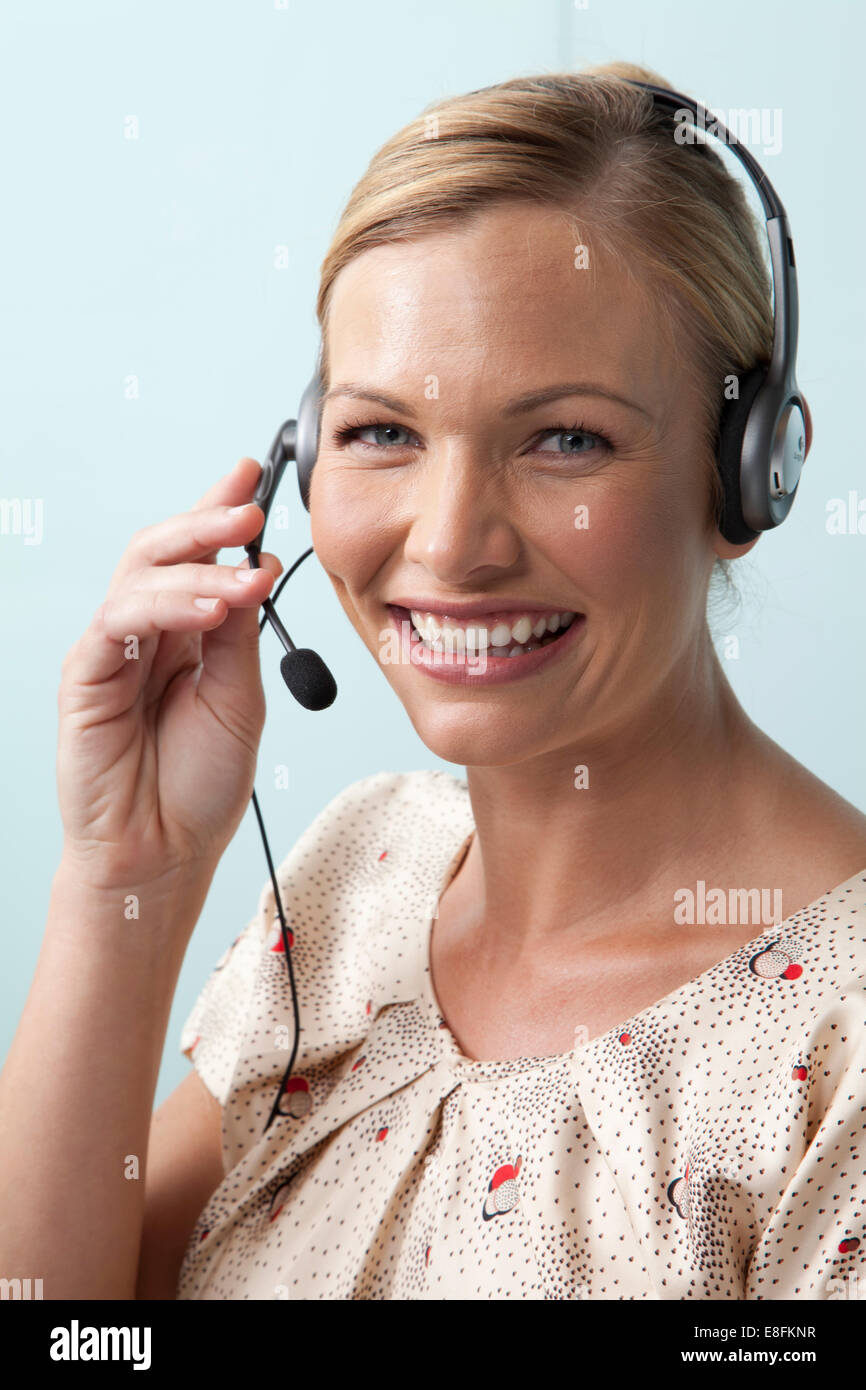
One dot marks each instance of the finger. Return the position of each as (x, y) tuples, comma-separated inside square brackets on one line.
[(190, 536), (237, 486), (120, 626), (239, 585), (231, 659), (231, 664), (130, 617)]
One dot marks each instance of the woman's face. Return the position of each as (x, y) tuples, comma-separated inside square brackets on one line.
[(460, 499)]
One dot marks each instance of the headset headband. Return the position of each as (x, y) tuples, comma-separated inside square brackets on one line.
[(785, 298)]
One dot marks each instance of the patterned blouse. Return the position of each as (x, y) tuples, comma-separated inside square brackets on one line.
[(710, 1146)]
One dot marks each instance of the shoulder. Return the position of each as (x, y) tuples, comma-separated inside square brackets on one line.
[(379, 837), (396, 804)]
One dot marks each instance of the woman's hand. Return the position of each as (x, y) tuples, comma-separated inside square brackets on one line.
[(161, 703)]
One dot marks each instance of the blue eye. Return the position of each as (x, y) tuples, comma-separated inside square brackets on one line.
[(355, 431), (580, 441)]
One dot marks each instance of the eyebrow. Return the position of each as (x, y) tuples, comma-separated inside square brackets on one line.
[(516, 407)]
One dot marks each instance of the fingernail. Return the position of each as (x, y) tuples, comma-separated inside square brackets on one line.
[(208, 604), (247, 576), (233, 511)]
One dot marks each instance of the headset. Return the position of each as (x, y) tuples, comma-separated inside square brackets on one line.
[(761, 448)]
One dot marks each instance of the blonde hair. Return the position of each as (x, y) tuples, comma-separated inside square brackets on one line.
[(588, 137)]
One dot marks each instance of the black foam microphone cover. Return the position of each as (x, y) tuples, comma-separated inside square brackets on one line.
[(308, 678)]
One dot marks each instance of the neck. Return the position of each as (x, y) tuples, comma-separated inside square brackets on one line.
[(667, 793)]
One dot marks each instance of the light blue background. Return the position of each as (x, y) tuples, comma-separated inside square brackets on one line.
[(155, 258)]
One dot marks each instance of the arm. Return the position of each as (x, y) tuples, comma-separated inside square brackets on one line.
[(160, 709), (184, 1168), (77, 1089)]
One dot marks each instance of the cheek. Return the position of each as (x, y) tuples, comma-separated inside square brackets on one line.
[(351, 537), (610, 548)]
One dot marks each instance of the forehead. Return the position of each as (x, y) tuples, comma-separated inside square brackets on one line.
[(508, 298)]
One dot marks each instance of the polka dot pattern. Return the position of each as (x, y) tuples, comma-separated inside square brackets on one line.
[(710, 1146)]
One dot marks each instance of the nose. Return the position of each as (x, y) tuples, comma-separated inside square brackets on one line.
[(460, 527)]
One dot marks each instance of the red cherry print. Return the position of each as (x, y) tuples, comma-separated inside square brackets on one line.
[(503, 1192), (678, 1195), (849, 1244), (793, 972), (296, 1099), (625, 1037), (369, 1005), (427, 1255), (204, 1236), (799, 1073), (505, 1196), (382, 1132), (278, 1200), (355, 1065), (382, 855), (770, 963)]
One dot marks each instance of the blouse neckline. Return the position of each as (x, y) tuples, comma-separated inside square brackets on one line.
[(493, 1068)]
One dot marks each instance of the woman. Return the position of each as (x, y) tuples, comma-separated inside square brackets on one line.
[(525, 1070)]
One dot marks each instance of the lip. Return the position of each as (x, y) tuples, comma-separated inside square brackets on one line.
[(452, 669)]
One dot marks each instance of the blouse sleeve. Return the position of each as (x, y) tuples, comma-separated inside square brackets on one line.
[(814, 1246), (213, 1033)]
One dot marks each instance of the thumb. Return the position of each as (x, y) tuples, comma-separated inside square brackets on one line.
[(230, 678)]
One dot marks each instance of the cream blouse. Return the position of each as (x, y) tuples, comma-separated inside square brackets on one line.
[(710, 1146)]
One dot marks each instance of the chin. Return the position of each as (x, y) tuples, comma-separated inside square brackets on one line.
[(476, 737)]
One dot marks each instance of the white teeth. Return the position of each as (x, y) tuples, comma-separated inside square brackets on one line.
[(453, 638), (448, 636)]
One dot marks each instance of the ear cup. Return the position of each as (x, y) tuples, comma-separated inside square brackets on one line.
[(307, 441), (732, 428)]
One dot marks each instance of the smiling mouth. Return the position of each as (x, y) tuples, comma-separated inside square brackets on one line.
[(509, 635)]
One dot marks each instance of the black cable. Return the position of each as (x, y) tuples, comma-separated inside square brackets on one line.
[(254, 564), (282, 584), (288, 952)]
